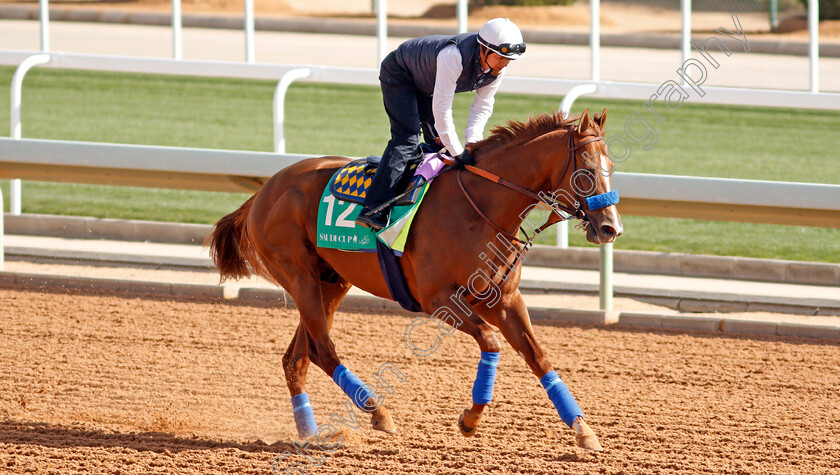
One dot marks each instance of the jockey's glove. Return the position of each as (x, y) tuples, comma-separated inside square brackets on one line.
[(464, 158)]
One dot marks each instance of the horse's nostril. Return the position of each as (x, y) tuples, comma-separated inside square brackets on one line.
[(608, 230)]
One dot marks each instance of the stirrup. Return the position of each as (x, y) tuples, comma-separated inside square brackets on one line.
[(373, 221), (410, 197)]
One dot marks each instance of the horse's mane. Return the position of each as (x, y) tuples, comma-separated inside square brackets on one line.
[(518, 132)]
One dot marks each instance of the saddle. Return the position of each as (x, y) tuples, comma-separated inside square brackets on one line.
[(351, 181)]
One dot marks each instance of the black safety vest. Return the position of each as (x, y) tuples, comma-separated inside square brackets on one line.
[(414, 63)]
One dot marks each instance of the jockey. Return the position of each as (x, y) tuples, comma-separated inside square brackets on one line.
[(419, 80)]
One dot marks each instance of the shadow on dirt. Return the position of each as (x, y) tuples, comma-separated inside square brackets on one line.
[(58, 436)]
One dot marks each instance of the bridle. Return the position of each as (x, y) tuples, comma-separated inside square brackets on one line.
[(577, 210), (556, 207)]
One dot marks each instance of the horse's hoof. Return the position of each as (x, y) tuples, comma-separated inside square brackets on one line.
[(467, 423), (381, 420), (585, 437)]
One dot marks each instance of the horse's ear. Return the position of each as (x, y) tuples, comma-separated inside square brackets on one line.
[(585, 123), (601, 120)]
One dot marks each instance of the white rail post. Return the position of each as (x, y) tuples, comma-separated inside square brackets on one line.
[(814, 44), (462, 16), (605, 266), (249, 31), (280, 104), (2, 231), (685, 38), (382, 29), (595, 40), (44, 16), (176, 29), (565, 107), (15, 123)]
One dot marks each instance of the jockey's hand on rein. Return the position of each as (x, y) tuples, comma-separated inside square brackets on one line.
[(465, 158)]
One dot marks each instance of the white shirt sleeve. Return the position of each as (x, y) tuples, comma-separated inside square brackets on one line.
[(481, 110), (448, 70)]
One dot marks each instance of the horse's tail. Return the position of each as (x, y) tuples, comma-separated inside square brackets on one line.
[(231, 247)]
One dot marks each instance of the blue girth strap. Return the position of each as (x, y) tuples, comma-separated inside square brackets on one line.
[(603, 200), (392, 271)]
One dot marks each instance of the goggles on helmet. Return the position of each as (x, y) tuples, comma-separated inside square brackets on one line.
[(504, 48), (507, 48)]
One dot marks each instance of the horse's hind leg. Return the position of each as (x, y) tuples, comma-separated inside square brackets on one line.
[(317, 305), (296, 360), (333, 289), (295, 366), (511, 317)]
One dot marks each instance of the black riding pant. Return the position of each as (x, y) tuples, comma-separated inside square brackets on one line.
[(406, 108)]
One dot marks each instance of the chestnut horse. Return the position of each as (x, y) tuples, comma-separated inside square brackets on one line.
[(549, 156)]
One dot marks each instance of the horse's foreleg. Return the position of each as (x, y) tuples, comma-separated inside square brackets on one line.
[(515, 325), (482, 392), (488, 343)]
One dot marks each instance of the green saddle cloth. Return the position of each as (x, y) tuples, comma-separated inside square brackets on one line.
[(340, 206)]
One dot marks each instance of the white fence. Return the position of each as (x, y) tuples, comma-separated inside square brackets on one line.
[(381, 9), (369, 77), (725, 206), (721, 199), (229, 170)]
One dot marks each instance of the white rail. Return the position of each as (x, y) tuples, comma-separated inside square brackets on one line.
[(566, 107), (2, 232), (722, 199), (381, 30), (44, 16), (249, 31), (177, 43), (241, 171), (140, 165), (461, 15), (814, 44), (15, 122), (369, 77), (685, 207), (605, 262), (280, 105)]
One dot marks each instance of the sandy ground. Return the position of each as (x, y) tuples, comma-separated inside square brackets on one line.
[(548, 300), (110, 384)]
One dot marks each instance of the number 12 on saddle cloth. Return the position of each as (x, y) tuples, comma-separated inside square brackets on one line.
[(340, 205)]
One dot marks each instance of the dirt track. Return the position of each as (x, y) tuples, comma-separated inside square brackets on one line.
[(104, 384)]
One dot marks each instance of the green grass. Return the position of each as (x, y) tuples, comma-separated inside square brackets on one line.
[(696, 139)]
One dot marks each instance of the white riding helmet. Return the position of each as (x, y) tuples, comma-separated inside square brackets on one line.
[(503, 37)]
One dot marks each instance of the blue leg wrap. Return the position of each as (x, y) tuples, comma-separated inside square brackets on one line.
[(563, 400), (352, 386), (482, 392), (304, 416)]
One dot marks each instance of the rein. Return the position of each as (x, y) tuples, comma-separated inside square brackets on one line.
[(577, 212), (556, 207)]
